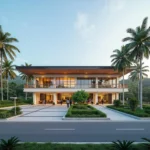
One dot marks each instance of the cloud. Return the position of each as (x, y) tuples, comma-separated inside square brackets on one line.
[(83, 25), (114, 5)]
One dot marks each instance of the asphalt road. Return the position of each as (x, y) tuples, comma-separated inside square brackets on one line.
[(75, 131)]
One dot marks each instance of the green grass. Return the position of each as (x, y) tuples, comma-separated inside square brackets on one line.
[(7, 103), (84, 111), (138, 112), (9, 113), (49, 146)]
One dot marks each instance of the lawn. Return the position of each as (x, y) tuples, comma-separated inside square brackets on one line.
[(138, 112), (84, 111), (9, 113), (49, 146), (7, 103)]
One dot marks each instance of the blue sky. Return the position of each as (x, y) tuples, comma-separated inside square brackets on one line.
[(70, 32)]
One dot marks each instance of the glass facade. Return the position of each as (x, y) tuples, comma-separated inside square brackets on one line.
[(65, 82), (86, 82)]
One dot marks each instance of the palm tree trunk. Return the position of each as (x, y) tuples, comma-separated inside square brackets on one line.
[(1, 78), (26, 92), (7, 89), (123, 88), (141, 105)]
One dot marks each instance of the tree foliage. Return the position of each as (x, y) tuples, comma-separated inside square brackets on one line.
[(80, 96)]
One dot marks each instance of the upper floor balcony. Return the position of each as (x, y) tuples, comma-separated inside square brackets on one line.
[(74, 86)]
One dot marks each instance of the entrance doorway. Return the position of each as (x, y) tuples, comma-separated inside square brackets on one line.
[(62, 97), (105, 97)]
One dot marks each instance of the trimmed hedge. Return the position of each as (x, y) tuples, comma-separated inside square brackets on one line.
[(138, 112), (9, 113), (84, 111), (7, 103)]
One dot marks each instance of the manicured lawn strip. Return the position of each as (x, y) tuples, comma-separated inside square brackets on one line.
[(138, 112), (8, 113), (7, 103), (49, 146), (84, 111)]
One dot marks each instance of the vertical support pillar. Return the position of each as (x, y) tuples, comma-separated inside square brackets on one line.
[(34, 82), (95, 98), (34, 99), (55, 98), (116, 83), (96, 82), (112, 83), (54, 83), (117, 95)]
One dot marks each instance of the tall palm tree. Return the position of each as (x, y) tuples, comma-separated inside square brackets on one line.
[(120, 62), (26, 77), (8, 72), (135, 74), (6, 50), (139, 47)]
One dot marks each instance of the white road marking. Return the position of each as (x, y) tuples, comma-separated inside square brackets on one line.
[(134, 129), (61, 129)]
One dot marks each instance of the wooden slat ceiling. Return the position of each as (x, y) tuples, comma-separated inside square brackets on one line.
[(89, 70)]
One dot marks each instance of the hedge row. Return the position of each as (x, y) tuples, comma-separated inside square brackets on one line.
[(84, 111), (9, 113), (137, 112)]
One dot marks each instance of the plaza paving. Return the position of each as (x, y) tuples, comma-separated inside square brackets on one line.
[(56, 112), (114, 116), (42, 113)]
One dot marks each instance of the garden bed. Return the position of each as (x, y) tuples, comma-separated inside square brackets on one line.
[(8, 103), (50, 146), (138, 112), (84, 111), (9, 113)]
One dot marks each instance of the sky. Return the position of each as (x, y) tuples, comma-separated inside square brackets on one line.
[(70, 32)]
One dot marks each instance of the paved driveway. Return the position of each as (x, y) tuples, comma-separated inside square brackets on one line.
[(114, 116), (42, 113)]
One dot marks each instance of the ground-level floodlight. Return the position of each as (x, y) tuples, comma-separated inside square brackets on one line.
[(14, 98)]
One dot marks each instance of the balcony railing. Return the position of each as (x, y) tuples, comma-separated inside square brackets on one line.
[(75, 86)]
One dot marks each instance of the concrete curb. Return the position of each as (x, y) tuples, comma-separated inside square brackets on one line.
[(14, 117), (129, 115), (77, 142), (70, 118)]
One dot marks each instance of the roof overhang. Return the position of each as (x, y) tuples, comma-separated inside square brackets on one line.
[(89, 70)]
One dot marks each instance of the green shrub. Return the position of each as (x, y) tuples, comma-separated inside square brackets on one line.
[(18, 110), (80, 96), (9, 144), (117, 103), (133, 104)]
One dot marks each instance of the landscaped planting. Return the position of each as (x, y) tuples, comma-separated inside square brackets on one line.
[(9, 113), (138, 112), (84, 111), (7, 103)]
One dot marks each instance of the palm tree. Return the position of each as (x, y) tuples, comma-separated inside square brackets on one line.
[(8, 71), (6, 50), (135, 74), (26, 77), (139, 47), (120, 62)]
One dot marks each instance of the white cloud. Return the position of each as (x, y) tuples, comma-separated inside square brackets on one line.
[(83, 25), (114, 5)]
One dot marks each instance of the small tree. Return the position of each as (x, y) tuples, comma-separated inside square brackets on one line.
[(133, 104), (80, 96), (117, 103)]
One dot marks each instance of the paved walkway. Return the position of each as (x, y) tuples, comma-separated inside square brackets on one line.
[(42, 113), (114, 116)]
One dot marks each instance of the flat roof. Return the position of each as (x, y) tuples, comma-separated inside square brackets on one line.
[(43, 70)]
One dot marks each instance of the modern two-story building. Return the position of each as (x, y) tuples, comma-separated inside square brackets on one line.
[(58, 83)]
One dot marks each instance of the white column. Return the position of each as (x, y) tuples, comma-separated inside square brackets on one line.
[(96, 82), (95, 98), (34, 99), (55, 98), (54, 83), (34, 82), (117, 95)]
